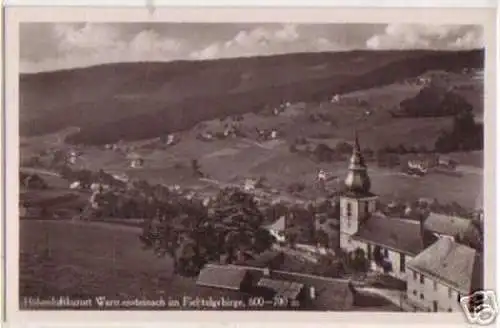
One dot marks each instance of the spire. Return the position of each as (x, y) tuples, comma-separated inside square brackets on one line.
[(357, 161), (357, 180)]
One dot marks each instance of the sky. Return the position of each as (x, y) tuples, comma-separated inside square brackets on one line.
[(55, 46)]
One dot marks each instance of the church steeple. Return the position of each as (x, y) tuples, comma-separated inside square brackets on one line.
[(357, 180)]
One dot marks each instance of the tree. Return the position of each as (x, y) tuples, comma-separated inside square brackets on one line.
[(195, 167), (465, 134), (322, 238), (233, 226), (343, 148), (357, 260), (324, 153)]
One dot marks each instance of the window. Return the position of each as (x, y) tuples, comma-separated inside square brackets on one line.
[(402, 263), (450, 292), (449, 310), (386, 253), (349, 214), (414, 275), (435, 286), (367, 208), (349, 209), (421, 296), (422, 279), (415, 292)]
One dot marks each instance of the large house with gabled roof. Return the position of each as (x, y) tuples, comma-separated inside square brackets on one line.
[(443, 272)]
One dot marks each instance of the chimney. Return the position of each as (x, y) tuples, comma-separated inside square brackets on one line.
[(423, 235)]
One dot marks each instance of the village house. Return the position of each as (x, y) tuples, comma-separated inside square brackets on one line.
[(441, 274), (250, 184), (170, 140), (277, 229), (417, 166), (442, 225), (75, 185), (446, 162), (224, 277), (72, 157), (136, 161)]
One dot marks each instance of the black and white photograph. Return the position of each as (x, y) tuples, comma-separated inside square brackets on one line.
[(233, 166)]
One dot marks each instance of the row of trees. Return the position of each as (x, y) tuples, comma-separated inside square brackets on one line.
[(466, 135)]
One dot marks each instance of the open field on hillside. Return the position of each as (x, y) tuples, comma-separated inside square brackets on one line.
[(61, 258)]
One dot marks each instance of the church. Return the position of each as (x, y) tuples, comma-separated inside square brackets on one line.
[(400, 247), (388, 243)]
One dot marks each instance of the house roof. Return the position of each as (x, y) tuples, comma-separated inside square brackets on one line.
[(446, 224), (454, 264), (220, 276), (284, 288), (134, 155), (398, 234), (278, 225)]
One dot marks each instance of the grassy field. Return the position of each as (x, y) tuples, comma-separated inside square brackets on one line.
[(61, 258)]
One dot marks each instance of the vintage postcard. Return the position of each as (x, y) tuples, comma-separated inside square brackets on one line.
[(195, 164)]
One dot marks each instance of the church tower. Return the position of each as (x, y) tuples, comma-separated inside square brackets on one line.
[(357, 203)]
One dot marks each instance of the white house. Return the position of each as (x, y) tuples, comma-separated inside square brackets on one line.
[(95, 187), (75, 185), (418, 165), (277, 229), (121, 177), (335, 99), (250, 185), (72, 157), (441, 274), (321, 176), (170, 139)]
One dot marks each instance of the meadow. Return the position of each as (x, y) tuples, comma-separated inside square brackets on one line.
[(62, 258)]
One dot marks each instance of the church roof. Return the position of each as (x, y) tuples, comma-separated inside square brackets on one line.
[(454, 264), (357, 180), (400, 235), (357, 193)]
